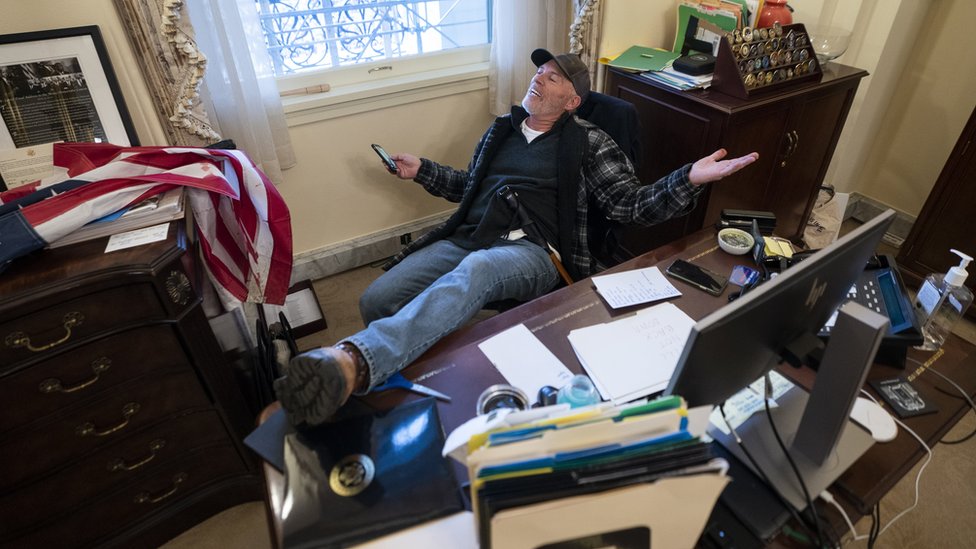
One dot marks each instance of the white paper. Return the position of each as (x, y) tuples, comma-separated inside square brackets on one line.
[(748, 401), (137, 237), (636, 355), (26, 165), (300, 308), (524, 361), (634, 287)]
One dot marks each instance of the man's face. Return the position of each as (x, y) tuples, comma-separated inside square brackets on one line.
[(550, 93)]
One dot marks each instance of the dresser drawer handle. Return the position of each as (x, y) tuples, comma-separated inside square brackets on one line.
[(88, 428), (53, 384), (119, 464), (20, 339), (146, 497)]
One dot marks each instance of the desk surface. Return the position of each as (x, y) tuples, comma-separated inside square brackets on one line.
[(457, 367)]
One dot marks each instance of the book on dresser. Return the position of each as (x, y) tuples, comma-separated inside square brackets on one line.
[(155, 210)]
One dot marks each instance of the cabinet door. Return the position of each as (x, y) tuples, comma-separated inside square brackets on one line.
[(672, 135), (809, 140), (944, 222), (756, 130)]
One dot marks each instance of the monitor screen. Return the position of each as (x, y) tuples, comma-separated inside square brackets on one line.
[(732, 347)]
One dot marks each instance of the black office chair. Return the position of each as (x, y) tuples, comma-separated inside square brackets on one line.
[(619, 119)]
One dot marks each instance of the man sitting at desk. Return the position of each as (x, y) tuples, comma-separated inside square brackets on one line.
[(558, 165)]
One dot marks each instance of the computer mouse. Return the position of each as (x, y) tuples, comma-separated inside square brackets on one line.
[(875, 419)]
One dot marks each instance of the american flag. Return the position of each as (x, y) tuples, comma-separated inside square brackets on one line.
[(242, 223)]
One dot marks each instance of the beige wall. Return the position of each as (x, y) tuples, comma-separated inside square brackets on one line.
[(903, 125)]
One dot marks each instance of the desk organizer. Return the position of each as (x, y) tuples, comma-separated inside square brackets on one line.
[(756, 61)]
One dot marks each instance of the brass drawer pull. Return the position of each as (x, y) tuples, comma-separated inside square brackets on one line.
[(146, 497), (88, 428), (53, 384), (20, 339), (119, 464)]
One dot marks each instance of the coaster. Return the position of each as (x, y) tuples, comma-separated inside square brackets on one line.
[(903, 397)]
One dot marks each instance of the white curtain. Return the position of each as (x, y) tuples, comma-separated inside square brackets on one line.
[(240, 90), (519, 27)]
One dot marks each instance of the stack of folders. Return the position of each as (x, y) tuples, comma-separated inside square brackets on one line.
[(155, 210), (678, 80), (636, 475)]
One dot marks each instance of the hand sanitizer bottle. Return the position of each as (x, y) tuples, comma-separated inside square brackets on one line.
[(941, 301)]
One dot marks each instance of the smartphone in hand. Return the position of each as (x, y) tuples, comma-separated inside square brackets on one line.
[(699, 277), (387, 159)]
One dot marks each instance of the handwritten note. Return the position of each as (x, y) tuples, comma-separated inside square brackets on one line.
[(634, 287), (636, 355)]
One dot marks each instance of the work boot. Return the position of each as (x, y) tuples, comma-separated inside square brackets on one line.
[(315, 385)]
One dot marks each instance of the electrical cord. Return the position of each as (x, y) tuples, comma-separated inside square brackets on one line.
[(755, 466), (966, 396), (796, 471), (876, 530)]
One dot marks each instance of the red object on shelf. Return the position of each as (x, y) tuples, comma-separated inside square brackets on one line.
[(773, 11)]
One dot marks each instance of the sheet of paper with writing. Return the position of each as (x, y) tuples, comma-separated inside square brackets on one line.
[(634, 287), (634, 356)]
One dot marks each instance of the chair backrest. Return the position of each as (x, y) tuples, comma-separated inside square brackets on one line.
[(619, 119)]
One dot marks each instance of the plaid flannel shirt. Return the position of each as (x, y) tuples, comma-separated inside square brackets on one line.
[(606, 178)]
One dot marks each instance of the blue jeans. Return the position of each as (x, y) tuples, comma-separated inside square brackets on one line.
[(436, 290)]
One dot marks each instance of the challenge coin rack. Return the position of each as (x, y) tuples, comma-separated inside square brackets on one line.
[(756, 61)]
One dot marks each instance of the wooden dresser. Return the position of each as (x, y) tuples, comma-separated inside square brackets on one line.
[(794, 130), (121, 422)]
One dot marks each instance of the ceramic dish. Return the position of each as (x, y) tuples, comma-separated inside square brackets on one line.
[(735, 241)]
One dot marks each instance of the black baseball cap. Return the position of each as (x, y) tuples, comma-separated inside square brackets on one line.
[(572, 66)]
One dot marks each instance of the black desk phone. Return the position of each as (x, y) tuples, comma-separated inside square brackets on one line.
[(881, 289)]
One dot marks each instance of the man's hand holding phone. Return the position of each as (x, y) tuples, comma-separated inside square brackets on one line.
[(404, 166)]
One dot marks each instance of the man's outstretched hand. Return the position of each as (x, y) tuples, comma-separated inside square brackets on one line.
[(407, 165), (712, 167)]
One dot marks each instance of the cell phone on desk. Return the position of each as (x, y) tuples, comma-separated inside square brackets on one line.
[(699, 277), (387, 159)]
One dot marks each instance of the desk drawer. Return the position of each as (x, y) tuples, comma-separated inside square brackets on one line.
[(111, 468), (167, 486), (66, 323), (71, 377), (43, 446)]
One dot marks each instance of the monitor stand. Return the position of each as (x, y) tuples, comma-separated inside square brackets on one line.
[(815, 426)]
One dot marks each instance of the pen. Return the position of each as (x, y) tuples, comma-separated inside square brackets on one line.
[(646, 55)]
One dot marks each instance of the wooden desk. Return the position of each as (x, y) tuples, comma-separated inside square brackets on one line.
[(457, 367)]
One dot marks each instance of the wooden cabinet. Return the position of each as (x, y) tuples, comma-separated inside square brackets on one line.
[(943, 222), (794, 131), (121, 423)]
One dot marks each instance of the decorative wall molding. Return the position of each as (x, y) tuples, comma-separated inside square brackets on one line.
[(162, 40)]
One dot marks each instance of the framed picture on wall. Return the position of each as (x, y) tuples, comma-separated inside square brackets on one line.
[(57, 85)]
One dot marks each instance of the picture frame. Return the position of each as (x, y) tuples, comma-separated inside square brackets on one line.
[(301, 310), (59, 85)]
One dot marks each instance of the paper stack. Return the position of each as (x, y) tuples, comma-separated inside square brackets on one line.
[(678, 80), (636, 475), (634, 356), (158, 209)]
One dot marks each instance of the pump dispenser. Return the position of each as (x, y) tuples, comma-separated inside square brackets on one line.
[(941, 302)]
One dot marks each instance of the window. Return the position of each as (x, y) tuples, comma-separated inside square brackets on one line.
[(311, 35)]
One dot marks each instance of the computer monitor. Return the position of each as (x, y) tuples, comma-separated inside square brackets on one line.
[(739, 343)]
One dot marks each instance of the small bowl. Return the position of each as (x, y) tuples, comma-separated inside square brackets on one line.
[(735, 241)]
